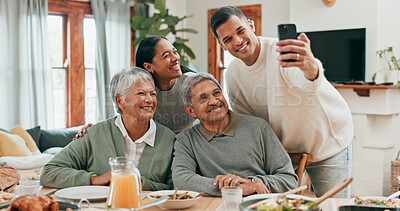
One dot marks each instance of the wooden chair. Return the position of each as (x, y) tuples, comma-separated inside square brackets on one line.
[(301, 160)]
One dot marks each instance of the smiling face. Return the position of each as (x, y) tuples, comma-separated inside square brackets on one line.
[(237, 37), (165, 64), (208, 103), (139, 102)]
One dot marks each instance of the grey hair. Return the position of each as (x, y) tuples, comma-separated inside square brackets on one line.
[(192, 81), (125, 79)]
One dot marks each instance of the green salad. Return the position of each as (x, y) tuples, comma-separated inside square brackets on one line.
[(286, 204)]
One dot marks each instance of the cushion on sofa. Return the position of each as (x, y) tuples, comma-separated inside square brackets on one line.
[(35, 134), (57, 137), (13, 145), (18, 130)]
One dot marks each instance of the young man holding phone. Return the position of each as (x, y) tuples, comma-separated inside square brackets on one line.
[(282, 82)]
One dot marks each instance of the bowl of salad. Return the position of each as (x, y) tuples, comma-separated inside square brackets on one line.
[(377, 201), (290, 202)]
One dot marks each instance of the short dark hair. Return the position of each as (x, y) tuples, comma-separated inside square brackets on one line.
[(146, 50), (222, 15)]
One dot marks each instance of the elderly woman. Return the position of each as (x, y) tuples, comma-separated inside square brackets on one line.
[(132, 134)]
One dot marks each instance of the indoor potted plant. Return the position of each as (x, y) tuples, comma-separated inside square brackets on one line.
[(390, 73), (161, 23)]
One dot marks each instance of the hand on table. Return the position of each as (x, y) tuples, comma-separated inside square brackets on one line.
[(103, 179), (248, 186)]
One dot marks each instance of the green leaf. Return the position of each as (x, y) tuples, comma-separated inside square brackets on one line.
[(188, 30), (172, 20), (137, 21), (185, 49), (180, 40), (161, 6), (152, 22), (184, 61), (189, 52), (162, 33)]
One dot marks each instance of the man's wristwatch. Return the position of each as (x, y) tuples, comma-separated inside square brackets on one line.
[(252, 178)]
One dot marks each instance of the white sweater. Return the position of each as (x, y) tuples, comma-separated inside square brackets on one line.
[(307, 116)]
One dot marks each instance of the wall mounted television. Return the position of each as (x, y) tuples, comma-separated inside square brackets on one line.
[(342, 53)]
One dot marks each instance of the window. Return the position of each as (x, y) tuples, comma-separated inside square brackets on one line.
[(57, 61), (72, 38), (71, 41), (90, 74)]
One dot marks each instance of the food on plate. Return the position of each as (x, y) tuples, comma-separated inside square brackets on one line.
[(176, 196), (287, 204), (378, 202), (4, 196), (33, 203), (9, 178)]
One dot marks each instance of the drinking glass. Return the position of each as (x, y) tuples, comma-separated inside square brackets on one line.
[(29, 187), (231, 198)]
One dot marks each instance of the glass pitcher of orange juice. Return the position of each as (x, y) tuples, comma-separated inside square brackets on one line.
[(126, 186)]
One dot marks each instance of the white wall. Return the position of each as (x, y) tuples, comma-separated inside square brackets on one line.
[(380, 17), (176, 7)]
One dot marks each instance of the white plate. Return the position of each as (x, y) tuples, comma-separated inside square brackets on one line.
[(273, 195), (87, 192), (175, 204)]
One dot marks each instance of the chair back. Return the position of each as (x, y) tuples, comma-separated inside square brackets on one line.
[(301, 160)]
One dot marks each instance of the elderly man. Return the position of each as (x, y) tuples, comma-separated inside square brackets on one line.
[(226, 148)]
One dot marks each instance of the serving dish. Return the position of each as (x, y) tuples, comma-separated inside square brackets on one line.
[(366, 208), (175, 204), (256, 198), (376, 201)]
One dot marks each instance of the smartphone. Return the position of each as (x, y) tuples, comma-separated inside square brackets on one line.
[(287, 31)]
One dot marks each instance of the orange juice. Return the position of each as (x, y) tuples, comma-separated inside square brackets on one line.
[(124, 191)]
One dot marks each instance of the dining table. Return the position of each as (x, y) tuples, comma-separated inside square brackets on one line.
[(206, 202)]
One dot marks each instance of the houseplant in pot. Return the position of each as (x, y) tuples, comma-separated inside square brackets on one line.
[(162, 23), (390, 73)]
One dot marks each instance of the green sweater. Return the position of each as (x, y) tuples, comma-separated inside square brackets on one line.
[(89, 155)]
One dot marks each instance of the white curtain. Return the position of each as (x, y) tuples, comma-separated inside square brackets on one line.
[(112, 19), (25, 72)]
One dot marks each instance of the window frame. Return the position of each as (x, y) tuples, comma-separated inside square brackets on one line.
[(74, 13)]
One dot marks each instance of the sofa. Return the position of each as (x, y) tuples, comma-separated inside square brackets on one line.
[(29, 150), (51, 138)]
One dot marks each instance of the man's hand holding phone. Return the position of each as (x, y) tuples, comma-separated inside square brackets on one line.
[(295, 51)]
